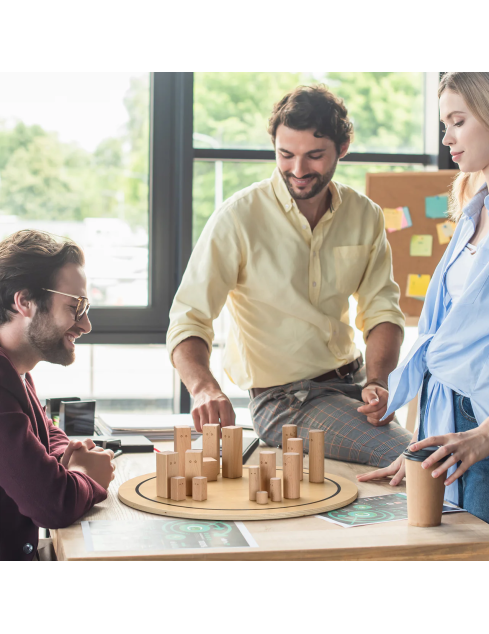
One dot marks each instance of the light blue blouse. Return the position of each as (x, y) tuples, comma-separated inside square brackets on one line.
[(453, 341)]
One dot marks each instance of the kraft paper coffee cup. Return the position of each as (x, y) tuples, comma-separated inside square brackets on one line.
[(425, 494)]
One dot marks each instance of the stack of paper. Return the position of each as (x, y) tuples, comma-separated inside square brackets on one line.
[(156, 426), (397, 219)]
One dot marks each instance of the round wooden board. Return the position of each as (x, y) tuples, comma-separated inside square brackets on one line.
[(229, 500)]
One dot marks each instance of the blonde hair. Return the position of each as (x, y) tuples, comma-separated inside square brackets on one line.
[(474, 89)]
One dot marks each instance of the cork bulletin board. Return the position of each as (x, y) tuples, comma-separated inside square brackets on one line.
[(410, 190)]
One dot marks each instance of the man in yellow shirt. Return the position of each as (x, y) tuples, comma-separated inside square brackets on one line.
[(286, 254)]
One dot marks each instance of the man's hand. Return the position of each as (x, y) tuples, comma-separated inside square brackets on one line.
[(73, 445), (467, 447), (94, 461), (212, 407), (376, 399)]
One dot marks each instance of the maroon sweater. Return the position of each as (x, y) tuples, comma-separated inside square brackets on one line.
[(35, 490)]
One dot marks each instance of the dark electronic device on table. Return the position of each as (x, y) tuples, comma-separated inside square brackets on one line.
[(52, 404), (77, 418)]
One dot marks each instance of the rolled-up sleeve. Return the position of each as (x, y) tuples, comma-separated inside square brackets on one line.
[(378, 293), (212, 272)]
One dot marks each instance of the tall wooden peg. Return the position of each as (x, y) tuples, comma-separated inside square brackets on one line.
[(268, 469), (232, 452), (276, 489), (211, 443), (288, 431), (292, 484), (254, 480), (296, 445), (193, 467), (182, 442), (178, 488), (199, 488), (316, 456), (166, 469)]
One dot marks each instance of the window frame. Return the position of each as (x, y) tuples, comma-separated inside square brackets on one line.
[(169, 220)]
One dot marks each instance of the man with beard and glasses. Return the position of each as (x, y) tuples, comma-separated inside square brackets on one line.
[(45, 479), (286, 254)]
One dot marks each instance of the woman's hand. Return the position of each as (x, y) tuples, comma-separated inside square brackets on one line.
[(467, 447), (395, 469)]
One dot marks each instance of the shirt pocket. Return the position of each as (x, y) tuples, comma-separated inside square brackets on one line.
[(350, 264)]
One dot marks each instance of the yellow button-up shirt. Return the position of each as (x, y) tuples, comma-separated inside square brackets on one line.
[(286, 286)]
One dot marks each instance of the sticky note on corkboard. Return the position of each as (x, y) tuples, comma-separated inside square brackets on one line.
[(445, 231), (436, 206), (417, 286), (421, 246)]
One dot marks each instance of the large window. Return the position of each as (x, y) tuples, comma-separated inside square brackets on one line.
[(231, 109), (127, 379), (131, 165), (74, 161)]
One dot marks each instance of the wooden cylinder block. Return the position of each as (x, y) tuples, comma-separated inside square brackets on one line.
[(262, 497), (166, 469), (232, 452), (182, 442), (193, 467), (254, 481), (316, 456), (199, 488), (296, 445), (292, 484), (178, 488), (276, 489), (268, 469), (288, 431), (211, 443)]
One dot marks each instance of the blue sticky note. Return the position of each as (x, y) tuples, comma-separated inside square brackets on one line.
[(407, 217), (436, 206)]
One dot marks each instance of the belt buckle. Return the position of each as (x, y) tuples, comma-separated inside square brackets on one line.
[(348, 377)]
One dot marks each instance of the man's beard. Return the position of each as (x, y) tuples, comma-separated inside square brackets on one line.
[(46, 338), (322, 181)]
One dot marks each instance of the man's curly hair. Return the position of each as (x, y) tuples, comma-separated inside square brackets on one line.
[(313, 108)]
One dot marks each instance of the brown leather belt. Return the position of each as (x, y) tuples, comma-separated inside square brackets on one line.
[(339, 373)]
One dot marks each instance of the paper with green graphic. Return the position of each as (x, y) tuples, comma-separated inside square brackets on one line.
[(375, 510), (165, 534)]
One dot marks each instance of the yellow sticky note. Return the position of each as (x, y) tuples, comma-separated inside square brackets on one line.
[(445, 231), (417, 286), (422, 246), (393, 219)]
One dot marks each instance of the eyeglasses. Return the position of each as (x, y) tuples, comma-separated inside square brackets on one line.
[(82, 307)]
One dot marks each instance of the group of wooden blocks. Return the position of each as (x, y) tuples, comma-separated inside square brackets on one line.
[(186, 471), (263, 483)]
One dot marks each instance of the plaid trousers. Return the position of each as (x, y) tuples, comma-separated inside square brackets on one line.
[(330, 406)]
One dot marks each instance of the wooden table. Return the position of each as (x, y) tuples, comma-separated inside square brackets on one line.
[(461, 536)]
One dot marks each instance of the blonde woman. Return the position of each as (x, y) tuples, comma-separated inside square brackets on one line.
[(449, 362)]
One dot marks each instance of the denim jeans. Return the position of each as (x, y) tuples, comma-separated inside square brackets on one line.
[(473, 485)]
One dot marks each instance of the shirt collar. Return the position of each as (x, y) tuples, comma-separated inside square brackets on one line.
[(286, 200), (473, 208)]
